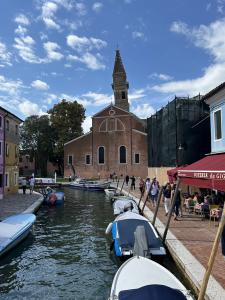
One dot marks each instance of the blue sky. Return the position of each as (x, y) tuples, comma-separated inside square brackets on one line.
[(50, 50)]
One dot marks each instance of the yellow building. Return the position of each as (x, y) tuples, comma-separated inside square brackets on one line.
[(11, 155)]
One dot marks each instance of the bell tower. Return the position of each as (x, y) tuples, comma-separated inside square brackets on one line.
[(120, 85)]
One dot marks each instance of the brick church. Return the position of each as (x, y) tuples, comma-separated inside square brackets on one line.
[(117, 141)]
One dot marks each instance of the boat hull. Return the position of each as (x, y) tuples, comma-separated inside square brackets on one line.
[(139, 272), (55, 198), (90, 186), (13, 230)]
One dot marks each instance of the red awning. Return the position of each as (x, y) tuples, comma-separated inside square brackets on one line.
[(208, 172), (172, 173)]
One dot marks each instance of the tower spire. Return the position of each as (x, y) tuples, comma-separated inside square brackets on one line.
[(120, 85)]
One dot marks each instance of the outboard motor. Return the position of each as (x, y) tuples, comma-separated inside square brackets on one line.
[(140, 242)]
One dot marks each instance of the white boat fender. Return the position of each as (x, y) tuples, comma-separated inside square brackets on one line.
[(109, 228)]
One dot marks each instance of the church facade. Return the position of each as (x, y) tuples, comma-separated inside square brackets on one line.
[(117, 142)]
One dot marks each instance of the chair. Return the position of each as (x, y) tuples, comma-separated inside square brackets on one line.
[(215, 213)]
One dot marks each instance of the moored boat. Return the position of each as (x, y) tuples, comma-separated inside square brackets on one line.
[(14, 229), (141, 278), (110, 192), (121, 204), (54, 198), (126, 228), (86, 184)]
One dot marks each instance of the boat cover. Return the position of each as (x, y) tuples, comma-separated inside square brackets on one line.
[(153, 292), (126, 229), (119, 205)]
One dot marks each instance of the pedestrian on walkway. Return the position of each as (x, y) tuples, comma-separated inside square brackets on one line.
[(142, 186), (24, 185), (32, 183), (154, 191), (167, 198), (147, 187), (223, 241), (132, 187), (127, 179), (177, 203)]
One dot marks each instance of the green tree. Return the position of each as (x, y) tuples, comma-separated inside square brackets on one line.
[(66, 120), (38, 139)]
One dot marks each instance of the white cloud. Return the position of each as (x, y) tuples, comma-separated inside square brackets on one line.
[(52, 53), (98, 99), (211, 39), (161, 76), (22, 19), (138, 35), (20, 30), (81, 44), (10, 87), (81, 8), (48, 15), (92, 62), (68, 4), (87, 124), (25, 46), (97, 6), (29, 108), (136, 94), (39, 85), (50, 98), (5, 56), (143, 111)]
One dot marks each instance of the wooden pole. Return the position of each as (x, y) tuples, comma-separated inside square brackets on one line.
[(117, 183), (157, 205), (142, 194), (146, 199), (122, 186), (212, 257), (171, 211)]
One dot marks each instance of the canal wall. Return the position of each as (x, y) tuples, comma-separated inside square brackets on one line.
[(34, 207), (189, 266)]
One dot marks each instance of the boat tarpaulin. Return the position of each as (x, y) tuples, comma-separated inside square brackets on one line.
[(153, 292), (208, 172)]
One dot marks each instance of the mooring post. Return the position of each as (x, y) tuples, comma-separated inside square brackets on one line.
[(157, 206), (208, 271), (142, 194), (117, 183), (122, 186), (171, 210)]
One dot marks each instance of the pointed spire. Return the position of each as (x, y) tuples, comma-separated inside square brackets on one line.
[(118, 66)]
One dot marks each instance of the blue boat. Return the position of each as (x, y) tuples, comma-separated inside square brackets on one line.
[(14, 229), (128, 227), (52, 197)]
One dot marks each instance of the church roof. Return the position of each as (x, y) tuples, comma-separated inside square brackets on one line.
[(118, 65)]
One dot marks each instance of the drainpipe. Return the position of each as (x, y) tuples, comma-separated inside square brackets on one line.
[(4, 145)]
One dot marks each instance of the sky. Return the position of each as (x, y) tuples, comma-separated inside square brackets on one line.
[(65, 49)]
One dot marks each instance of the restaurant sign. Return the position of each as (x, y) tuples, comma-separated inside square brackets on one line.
[(212, 175)]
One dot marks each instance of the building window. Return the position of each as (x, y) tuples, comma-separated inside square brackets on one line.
[(0, 148), (103, 126), (7, 125), (88, 159), (6, 179), (1, 180), (218, 124), (123, 154), (101, 155), (123, 95), (136, 158), (15, 178), (16, 128), (70, 159), (1, 123), (6, 149)]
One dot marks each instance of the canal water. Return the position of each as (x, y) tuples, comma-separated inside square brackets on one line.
[(67, 256)]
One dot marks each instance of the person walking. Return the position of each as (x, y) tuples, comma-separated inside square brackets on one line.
[(167, 198), (142, 186), (127, 179), (147, 187), (177, 203), (132, 187), (24, 185), (32, 183), (154, 191)]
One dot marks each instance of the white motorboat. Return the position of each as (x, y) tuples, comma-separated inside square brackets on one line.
[(140, 278), (125, 230), (86, 184), (120, 205), (14, 229), (110, 192)]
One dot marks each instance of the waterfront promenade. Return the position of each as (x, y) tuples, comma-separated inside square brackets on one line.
[(19, 203), (190, 241)]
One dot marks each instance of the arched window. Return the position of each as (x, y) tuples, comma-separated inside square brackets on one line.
[(103, 126), (101, 155), (123, 154)]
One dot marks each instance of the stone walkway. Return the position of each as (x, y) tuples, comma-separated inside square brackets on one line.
[(16, 203), (196, 235)]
